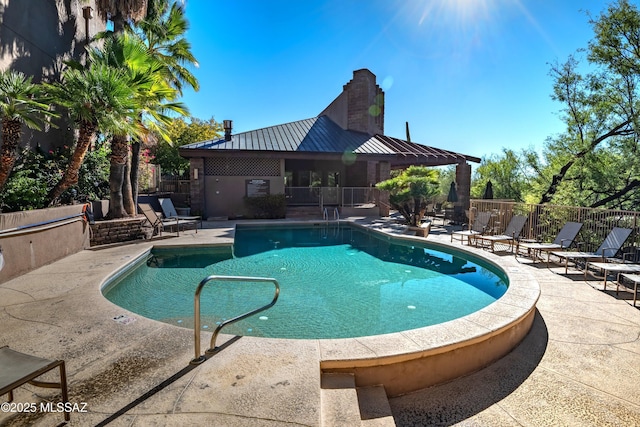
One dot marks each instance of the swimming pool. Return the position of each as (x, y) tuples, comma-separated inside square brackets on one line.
[(337, 281)]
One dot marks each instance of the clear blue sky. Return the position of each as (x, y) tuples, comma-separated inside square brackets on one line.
[(470, 76)]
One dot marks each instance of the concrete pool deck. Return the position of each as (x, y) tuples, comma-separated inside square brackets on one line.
[(579, 365)]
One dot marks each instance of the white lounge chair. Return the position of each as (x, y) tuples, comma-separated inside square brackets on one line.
[(510, 235), (479, 226), (564, 239), (609, 248)]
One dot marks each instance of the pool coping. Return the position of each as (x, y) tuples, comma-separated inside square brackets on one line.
[(415, 359)]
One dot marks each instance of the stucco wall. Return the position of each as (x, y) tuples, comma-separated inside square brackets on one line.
[(225, 194), (36, 36), (30, 248)]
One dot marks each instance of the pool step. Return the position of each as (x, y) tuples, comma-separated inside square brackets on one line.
[(375, 410), (345, 405)]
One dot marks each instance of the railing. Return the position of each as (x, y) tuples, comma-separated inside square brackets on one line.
[(321, 196), (325, 214), (545, 221), (173, 184), (43, 225), (360, 196), (196, 311)]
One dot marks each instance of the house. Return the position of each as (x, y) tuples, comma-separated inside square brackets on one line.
[(333, 159)]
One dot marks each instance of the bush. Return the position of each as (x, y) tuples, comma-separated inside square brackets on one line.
[(272, 206), (36, 172)]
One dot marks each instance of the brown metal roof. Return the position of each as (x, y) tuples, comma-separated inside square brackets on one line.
[(321, 135)]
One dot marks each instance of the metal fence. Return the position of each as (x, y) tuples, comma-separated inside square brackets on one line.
[(545, 221), (353, 197), (174, 184), (333, 196)]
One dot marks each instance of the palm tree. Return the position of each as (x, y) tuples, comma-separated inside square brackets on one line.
[(121, 12), (164, 35), (127, 53), (98, 98), (20, 103)]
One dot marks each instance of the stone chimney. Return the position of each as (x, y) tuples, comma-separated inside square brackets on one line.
[(360, 106)]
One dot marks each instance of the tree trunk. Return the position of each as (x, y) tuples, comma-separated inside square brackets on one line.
[(129, 206), (118, 160), (70, 177), (135, 170), (621, 129), (11, 131)]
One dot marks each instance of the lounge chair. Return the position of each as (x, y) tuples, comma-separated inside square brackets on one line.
[(169, 212), (17, 369), (479, 225), (602, 270), (609, 248), (510, 235), (635, 278), (156, 222), (564, 239)]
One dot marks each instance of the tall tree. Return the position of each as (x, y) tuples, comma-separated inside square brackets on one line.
[(127, 53), (20, 103), (97, 98), (600, 110), (164, 33), (121, 12), (508, 174), (180, 132)]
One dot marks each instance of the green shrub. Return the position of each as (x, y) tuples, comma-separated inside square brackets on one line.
[(36, 172), (23, 191), (272, 206)]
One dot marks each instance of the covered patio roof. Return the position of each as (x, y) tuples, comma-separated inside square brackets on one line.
[(321, 138)]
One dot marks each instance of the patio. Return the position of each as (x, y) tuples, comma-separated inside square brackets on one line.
[(577, 366)]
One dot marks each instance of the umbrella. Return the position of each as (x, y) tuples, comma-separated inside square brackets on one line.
[(488, 191), (453, 194)]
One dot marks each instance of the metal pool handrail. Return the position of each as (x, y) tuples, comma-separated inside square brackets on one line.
[(196, 311), (336, 214), (42, 225)]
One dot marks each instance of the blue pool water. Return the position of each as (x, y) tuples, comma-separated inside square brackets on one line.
[(336, 282)]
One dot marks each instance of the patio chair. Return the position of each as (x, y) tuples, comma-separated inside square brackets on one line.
[(17, 369), (169, 212), (479, 225), (430, 212), (609, 248), (158, 224), (564, 239), (511, 233)]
